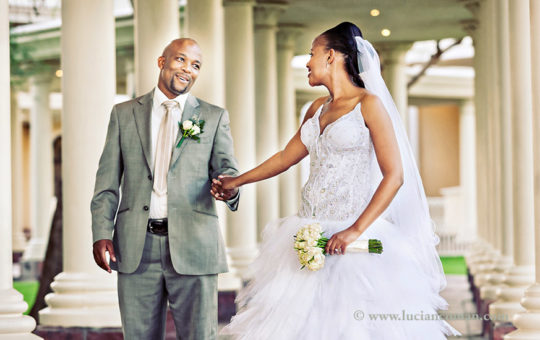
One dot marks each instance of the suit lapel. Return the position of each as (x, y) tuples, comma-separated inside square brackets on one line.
[(143, 115), (191, 109)]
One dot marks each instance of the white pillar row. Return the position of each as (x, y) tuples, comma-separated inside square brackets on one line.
[(13, 324), (156, 23), (266, 15), (528, 323), (17, 202), (210, 84), (467, 166), (41, 167), (394, 73), (83, 294), (505, 261), (288, 123), (240, 100), (520, 276)]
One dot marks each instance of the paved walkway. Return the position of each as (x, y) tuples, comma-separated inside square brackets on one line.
[(459, 298)]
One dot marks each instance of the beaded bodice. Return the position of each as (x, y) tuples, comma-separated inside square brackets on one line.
[(338, 186)]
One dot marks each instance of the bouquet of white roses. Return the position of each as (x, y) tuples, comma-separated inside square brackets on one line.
[(310, 243)]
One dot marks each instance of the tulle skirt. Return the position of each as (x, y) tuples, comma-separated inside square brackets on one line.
[(354, 296)]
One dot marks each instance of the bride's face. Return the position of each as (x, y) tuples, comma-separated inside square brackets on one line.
[(317, 64)]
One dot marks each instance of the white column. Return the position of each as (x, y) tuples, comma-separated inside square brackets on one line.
[(394, 73), (156, 23), (528, 323), (266, 102), (288, 123), (480, 253), (84, 295), (467, 170), (41, 167), (19, 240), (519, 277), (240, 100), (505, 261), (13, 324), (490, 101), (210, 84)]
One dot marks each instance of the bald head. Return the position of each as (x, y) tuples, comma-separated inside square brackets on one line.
[(179, 43), (179, 66)]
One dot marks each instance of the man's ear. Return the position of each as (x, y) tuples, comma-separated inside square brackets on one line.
[(161, 62)]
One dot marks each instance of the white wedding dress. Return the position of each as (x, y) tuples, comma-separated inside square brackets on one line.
[(284, 302)]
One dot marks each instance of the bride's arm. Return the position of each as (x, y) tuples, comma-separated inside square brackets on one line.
[(389, 159), (278, 163)]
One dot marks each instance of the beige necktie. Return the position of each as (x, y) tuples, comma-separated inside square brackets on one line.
[(164, 148)]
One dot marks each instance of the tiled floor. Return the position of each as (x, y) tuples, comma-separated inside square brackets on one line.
[(460, 300)]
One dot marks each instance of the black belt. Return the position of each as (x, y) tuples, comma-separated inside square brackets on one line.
[(158, 226)]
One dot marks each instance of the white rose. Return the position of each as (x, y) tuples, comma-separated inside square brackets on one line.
[(314, 266), (299, 245), (187, 125), (196, 130), (317, 262), (304, 257)]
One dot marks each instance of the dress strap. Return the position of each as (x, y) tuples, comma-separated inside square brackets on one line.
[(359, 115)]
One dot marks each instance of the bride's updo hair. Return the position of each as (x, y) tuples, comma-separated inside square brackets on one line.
[(341, 39)]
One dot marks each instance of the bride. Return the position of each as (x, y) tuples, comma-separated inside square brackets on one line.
[(363, 184)]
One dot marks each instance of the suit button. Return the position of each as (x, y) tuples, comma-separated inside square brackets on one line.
[(150, 177), (146, 208)]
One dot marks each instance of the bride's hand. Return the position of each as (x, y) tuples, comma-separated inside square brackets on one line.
[(339, 241), (223, 188)]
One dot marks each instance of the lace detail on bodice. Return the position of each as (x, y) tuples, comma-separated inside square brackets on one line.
[(339, 183)]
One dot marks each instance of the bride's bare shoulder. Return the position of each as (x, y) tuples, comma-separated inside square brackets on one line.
[(317, 103)]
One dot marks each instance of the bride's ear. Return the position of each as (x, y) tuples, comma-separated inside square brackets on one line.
[(331, 56)]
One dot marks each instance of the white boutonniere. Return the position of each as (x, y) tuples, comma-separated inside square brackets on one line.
[(191, 128)]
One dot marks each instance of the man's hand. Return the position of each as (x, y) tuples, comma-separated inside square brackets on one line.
[(100, 247), (223, 188)]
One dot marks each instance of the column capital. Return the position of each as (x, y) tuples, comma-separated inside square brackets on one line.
[(392, 51), (266, 13), (287, 35)]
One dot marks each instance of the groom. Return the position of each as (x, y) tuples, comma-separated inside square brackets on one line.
[(161, 229)]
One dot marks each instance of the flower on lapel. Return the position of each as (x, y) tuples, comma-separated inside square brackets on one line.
[(191, 128)]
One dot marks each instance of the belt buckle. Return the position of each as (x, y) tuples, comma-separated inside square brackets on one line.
[(152, 227)]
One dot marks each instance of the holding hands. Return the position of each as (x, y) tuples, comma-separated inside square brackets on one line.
[(223, 188)]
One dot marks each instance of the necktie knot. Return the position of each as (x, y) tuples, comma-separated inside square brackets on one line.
[(170, 104)]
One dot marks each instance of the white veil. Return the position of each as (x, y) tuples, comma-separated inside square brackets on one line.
[(409, 209)]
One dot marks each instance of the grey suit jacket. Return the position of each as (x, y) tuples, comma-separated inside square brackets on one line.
[(195, 240)]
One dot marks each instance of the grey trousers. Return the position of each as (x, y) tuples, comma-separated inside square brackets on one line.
[(143, 297)]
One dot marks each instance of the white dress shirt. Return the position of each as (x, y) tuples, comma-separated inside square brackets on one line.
[(158, 204)]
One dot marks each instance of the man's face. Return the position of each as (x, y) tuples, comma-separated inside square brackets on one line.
[(180, 65)]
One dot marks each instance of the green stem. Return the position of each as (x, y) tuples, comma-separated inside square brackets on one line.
[(181, 141)]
